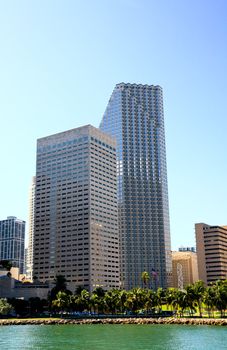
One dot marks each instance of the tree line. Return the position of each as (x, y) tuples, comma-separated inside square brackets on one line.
[(195, 298)]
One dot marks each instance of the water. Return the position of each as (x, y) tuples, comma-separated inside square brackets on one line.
[(109, 337)]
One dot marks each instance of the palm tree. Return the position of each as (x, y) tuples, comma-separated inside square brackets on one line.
[(209, 299), (220, 299), (112, 300), (191, 298), (197, 293), (97, 299), (122, 300), (5, 307), (99, 291), (182, 301), (145, 278), (79, 290), (160, 298), (95, 302), (60, 285), (171, 298), (135, 299), (6, 264), (81, 301), (149, 300), (62, 301)]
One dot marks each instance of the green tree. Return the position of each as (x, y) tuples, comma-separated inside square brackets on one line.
[(6, 264), (123, 294), (135, 299), (97, 300), (182, 301), (79, 290), (150, 300), (197, 293), (96, 303), (21, 307), (192, 298), (160, 298), (220, 299), (112, 300), (171, 298), (5, 307), (60, 285), (209, 299), (36, 305), (81, 301), (145, 278), (62, 301), (99, 291)]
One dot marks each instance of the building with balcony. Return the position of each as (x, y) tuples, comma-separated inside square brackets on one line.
[(211, 246)]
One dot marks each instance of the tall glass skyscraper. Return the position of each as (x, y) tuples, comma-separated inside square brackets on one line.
[(134, 115), (12, 235)]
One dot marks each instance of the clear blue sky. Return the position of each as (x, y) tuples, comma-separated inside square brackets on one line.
[(60, 60)]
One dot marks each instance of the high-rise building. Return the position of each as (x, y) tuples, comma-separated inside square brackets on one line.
[(12, 235), (29, 258), (211, 246), (76, 219), (187, 249), (134, 115), (185, 267)]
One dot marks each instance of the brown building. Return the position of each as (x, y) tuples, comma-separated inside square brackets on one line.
[(76, 214), (185, 268), (211, 243)]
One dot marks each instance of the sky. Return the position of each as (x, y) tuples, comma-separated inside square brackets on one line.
[(60, 61)]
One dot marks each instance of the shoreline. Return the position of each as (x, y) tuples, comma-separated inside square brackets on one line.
[(140, 321)]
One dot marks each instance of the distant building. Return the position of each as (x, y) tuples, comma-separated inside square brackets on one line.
[(13, 288), (76, 215), (29, 258), (187, 249), (135, 117), (14, 272), (25, 260), (185, 268), (12, 236), (211, 246)]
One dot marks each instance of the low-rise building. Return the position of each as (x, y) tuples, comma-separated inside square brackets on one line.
[(185, 268), (12, 288)]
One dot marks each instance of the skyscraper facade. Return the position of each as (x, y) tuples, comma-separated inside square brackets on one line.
[(12, 235), (134, 115), (29, 257), (76, 219)]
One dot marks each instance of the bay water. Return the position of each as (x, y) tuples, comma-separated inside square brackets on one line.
[(111, 337)]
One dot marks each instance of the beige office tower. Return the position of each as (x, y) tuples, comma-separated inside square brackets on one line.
[(211, 243), (29, 257), (185, 268), (76, 215)]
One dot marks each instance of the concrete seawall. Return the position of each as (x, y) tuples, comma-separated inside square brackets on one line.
[(169, 320)]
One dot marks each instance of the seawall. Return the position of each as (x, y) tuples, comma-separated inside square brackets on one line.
[(169, 320)]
